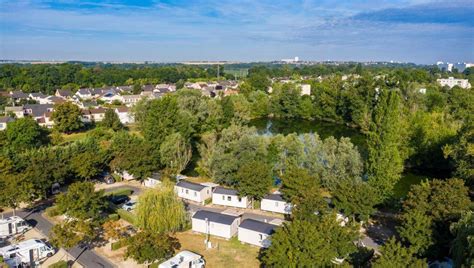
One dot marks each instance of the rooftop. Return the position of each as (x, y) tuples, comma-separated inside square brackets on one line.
[(227, 191), (257, 226), (214, 217), (190, 185)]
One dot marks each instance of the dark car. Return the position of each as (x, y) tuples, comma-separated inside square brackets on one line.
[(118, 199)]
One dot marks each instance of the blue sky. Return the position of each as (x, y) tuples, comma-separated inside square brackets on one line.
[(421, 31)]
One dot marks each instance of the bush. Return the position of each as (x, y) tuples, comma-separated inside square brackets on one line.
[(52, 211), (114, 217), (127, 216), (59, 264), (119, 244), (208, 201)]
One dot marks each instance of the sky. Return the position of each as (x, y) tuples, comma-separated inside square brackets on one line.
[(419, 31)]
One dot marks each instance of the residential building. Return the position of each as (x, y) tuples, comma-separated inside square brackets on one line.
[(451, 82), (4, 120), (275, 203), (131, 100), (63, 93), (16, 110), (37, 111), (97, 114), (84, 93), (153, 181), (193, 191), (229, 197), (124, 114), (256, 232), (86, 116), (213, 223), (18, 95)]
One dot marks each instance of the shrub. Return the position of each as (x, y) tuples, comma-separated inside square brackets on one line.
[(52, 211), (114, 217), (126, 192), (127, 216)]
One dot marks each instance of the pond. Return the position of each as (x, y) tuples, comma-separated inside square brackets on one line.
[(272, 126)]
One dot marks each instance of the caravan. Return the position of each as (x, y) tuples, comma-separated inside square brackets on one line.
[(29, 252), (13, 225)]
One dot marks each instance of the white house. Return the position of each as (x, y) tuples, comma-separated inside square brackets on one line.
[(214, 223), (125, 175), (451, 82), (84, 94), (229, 197), (256, 232), (131, 100), (97, 114), (16, 110), (275, 203), (4, 120), (193, 191), (152, 181), (124, 115), (305, 89)]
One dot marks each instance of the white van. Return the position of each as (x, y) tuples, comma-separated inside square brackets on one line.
[(184, 259), (29, 251), (13, 225)]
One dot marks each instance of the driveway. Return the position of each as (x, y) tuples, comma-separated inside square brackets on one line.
[(85, 257)]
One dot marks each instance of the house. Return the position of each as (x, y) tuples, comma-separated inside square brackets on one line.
[(63, 93), (256, 232), (229, 197), (47, 121), (124, 114), (37, 96), (110, 96), (18, 95), (97, 114), (275, 203), (86, 116), (305, 89), (37, 111), (16, 110), (84, 93), (52, 100), (130, 100), (125, 175), (451, 82), (193, 191), (213, 223), (153, 180), (4, 120)]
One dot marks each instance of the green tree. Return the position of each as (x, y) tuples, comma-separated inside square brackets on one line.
[(148, 247), (67, 117), (206, 148), (88, 159), (354, 197), (23, 134), (175, 153), (254, 179), (416, 231), (81, 201), (134, 155), (461, 151), (393, 254), (14, 188), (70, 233), (462, 247), (111, 120), (385, 162), (160, 211), (285, 101), (307, 244)]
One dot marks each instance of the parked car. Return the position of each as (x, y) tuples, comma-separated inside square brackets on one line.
[(129, 206), (109, 179), (118, 199)]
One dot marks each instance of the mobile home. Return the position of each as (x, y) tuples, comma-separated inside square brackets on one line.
[(256, 232), (275, 203), (193, 191), (28, 252), (214, 223), (184, 259), (229, 197), (13, 225)]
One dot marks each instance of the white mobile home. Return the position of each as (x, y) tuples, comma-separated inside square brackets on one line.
[(13, 225), (228, 197), (256, 232), (153, 181), (193, 191), (275, 203), (214, 223), (184, 259), (28, 251)]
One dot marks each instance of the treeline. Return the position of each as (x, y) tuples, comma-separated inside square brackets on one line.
[(47, 78)]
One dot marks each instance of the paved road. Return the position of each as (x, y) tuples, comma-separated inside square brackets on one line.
[(85, 257)]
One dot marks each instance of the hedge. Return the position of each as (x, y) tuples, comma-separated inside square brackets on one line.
[(126, 192), (125, 215), (114, 217), (59, 264), (117, 245), (52, 211)]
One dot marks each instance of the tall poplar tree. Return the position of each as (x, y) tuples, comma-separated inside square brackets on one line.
[(385, 161)]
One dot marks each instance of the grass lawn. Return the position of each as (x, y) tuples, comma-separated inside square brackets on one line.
[(229, 253), (74, 136), (402, 188)]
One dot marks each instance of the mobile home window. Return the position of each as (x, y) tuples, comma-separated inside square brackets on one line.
[(223, 197), (195, 194), (276, 204), (261, 237), (187, 191), (240, 199), (229, 198)]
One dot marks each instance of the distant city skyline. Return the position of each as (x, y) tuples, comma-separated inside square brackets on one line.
[(418, 31)]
